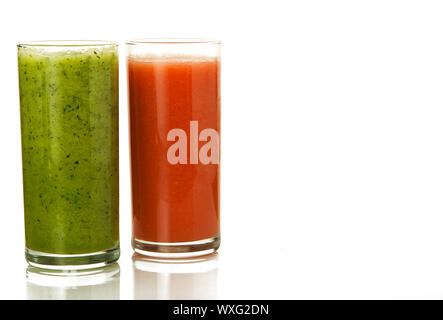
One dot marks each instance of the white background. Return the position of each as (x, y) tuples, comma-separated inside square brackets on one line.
[(332, 142)]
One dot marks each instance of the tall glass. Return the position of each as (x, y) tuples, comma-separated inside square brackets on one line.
[(69, 124), (174, 110)]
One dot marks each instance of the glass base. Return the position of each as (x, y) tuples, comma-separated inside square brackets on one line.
[(176, 249), (72, 261)]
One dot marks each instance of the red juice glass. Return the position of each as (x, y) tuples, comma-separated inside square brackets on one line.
[(174, 115)]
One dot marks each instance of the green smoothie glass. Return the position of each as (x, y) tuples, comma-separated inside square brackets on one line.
[(69, 127)]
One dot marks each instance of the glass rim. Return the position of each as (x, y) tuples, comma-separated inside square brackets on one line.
[(172, 41), (66, 43)]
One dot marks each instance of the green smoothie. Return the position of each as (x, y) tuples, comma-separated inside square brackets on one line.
[(69, 124)]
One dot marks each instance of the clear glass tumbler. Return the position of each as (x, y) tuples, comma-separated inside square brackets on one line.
[(69, 126), (174, 110)]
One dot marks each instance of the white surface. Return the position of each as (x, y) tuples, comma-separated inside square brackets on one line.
[(332, 144)]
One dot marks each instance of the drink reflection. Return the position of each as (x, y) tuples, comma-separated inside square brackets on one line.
[(190, 278), (100, 284)]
